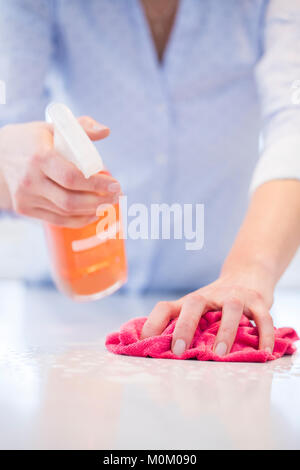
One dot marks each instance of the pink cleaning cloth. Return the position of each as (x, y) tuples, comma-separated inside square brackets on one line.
[(244, 349)]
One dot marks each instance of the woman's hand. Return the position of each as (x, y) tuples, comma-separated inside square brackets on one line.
[(235, 294), (40, 183), (264, 246)]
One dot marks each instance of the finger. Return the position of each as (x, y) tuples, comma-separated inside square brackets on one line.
[(74, 202), (159, 318), (231, 315), (43, 203), (192, 310), (265, 326), (65, 174), (61, 220), (94, 129)]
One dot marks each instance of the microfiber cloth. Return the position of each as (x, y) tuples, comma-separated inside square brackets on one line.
[(244, 349)]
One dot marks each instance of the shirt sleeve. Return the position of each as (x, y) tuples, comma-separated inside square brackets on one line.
[(25, 55), (278, 82)]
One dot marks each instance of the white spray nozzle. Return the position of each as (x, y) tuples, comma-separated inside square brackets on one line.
[(71, 141)]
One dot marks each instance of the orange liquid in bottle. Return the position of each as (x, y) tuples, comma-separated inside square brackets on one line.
[(86, 267)]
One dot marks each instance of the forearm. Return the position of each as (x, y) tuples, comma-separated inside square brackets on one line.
[(270, 233)]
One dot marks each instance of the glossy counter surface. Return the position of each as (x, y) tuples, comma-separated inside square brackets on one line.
[(60, 389)]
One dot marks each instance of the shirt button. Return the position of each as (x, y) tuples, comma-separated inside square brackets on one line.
[(161, 158)]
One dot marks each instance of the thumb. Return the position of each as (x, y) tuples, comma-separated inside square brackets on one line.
[(94, 129)]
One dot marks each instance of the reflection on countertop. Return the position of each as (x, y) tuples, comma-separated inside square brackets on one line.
[(61, 389)]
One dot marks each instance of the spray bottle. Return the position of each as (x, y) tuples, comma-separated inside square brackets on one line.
[(87, 263)]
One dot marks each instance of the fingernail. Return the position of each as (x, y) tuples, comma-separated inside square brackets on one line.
[(99, 127), (114, 187), (268, 350), (179, 347), (221, 349)]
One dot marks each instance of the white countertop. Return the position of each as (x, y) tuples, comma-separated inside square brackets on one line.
[(60, 389)]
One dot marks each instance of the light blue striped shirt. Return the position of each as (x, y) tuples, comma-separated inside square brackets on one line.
[(186, 130)]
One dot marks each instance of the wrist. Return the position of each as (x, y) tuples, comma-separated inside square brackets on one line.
[(5, 199), (252, 275)]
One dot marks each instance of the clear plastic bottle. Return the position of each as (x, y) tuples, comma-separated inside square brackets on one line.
[(86, 264)]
